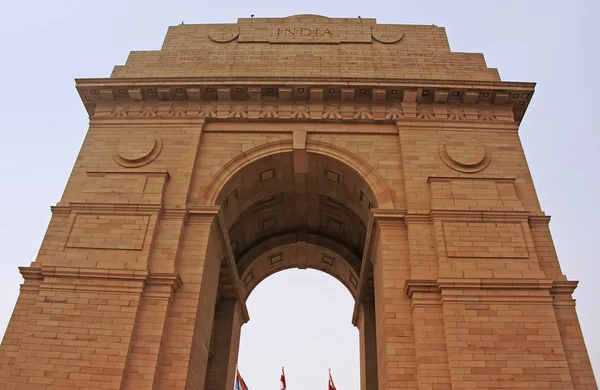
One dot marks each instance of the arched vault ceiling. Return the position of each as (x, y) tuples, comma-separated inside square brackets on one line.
[(268, 203), (311, 255)]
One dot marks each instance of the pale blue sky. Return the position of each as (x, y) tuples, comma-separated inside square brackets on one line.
[(45, 45)]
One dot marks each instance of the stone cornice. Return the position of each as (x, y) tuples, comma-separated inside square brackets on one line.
[(495, 283), (563, 287), (201, 214), (479, 216), (539, 220), (423, 293), (106, 208), (306, 99), (507, 291), (152, 285), (432, 179), (122, 281), (162, 286), (93, 273), (562, 293), (304, 81), (417, 218), (412, 286), (383, 215), (461, 290), (101, 173), (203, 210), (190, 211)]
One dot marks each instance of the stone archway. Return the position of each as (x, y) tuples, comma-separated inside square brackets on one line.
[(277, 216), (200, 168), (300, 146)]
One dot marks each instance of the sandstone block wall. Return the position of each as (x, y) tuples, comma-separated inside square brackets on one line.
[(371, 152)]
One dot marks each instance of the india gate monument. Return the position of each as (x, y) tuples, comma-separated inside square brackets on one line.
[(371, 152)]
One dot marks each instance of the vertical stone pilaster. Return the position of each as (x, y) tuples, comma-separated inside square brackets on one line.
[(144, 357), (368, 346), (544, 247), (571, 336), (225, 345), (184, 350), (430, 339), (144, 354), (501, 331), (395, 332)]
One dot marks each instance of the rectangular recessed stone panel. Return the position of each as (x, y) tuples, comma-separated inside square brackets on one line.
[(248, 278), (276, 258), (266, 175), (125, 232), (268, 224), (231, 198), (330, 261), (124, 187), (353, 279), (310, 32), (335, 225), (364, 199), (333, 176), (485, 240), (451, 193)]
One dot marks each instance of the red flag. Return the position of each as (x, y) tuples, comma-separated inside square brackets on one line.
[(331, 384), (283, 385)]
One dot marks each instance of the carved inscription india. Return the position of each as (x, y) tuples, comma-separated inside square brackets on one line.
[(320, 33), (303, 32)]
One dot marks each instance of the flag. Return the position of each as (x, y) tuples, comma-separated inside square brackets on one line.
[(239, 382), (331, 384), (283, 386)]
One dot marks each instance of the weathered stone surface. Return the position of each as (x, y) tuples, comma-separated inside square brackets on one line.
[(370, 152)]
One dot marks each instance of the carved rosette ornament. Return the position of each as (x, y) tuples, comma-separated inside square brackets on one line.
[(269, 112), (180, 110), (238, 111), (386, 34), (393, 111), (425, 113), (332, 112), (465, 155), (208, 110), (137, 149), (224, 34), (363, 111), (300, 111), (119, 111), (149, 110), (457, 114), (486, 115)]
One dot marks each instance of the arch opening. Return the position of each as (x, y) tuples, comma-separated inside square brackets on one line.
[(279, 216), (307, 330), (279, 212)]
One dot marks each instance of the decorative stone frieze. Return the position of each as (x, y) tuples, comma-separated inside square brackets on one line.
[(499, 101)]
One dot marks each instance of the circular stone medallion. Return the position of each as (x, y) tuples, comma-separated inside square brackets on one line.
[(223, 34), (137, 149), (468, 156), (386, 34)]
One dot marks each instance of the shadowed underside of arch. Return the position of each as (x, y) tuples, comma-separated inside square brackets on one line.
[(278, 216), (381, 193), (301, 255)]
